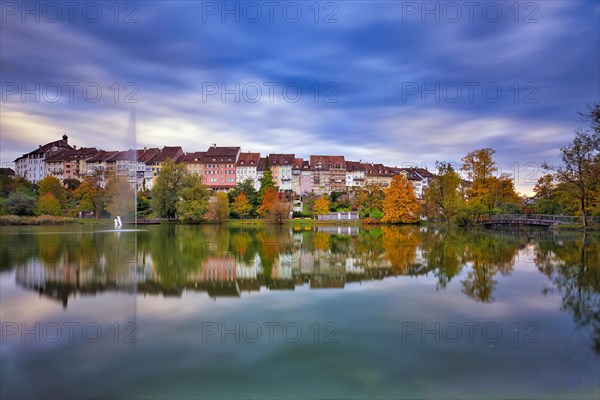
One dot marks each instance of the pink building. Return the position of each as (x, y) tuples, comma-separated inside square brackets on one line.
[(220, 167)]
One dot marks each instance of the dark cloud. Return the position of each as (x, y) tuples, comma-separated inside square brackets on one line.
[(373, 58)]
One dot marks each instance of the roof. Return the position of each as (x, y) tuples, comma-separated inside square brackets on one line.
[(7, 171), (353, 166), (175, 153), (328, 162), (147, 154), (193, 157), (221, 154), (297, 164), (83, 153), (103, 156), (63, 143), (281, 159), (250, 159)]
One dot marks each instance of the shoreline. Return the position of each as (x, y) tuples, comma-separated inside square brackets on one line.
[(47, 220)]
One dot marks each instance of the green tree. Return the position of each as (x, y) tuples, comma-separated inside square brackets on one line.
[(165, 192), (369, 198), (218, 209), (48, 205), (194, 198), (443, 193), (266, 181), (19, 203)]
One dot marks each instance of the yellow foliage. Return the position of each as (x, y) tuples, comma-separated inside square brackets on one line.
[(400, 205)]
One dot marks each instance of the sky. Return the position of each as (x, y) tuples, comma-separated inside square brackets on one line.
[(396, 82)]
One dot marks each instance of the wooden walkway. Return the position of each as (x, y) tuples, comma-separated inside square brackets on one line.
[(534, 219)]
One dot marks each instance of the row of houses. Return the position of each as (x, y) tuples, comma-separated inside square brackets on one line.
[(220, 167)]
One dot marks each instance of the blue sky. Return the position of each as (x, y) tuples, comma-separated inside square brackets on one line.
[(396, 82)]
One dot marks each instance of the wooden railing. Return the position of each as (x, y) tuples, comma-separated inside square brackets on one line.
[(536, 219)]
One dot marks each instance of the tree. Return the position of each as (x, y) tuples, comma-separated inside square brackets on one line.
[(269, 201), (479, 167), (194, 197), (279, 213), (218, 209), (321, 205), (369, 198), (579, 170), (48, 205), (444, 193), (400, 204), (165, 192), (246, 187), (72, 184), (241, 207), (266, 181), (52, 185), (91, 194), (19, 203)]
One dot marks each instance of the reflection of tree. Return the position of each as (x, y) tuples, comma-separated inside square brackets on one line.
[(488, 255), (574, 269), (444, 253), (400, 244), (177, 252), (321, 241)]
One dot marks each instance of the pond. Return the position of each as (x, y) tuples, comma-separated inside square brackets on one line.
[(176, 311)]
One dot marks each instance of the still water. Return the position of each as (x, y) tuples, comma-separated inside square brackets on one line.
[(329, 312)]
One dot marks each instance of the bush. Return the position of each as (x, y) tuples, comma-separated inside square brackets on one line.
[(19, 204), (376, 214)]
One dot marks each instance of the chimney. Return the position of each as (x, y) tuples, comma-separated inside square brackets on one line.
[(40, 146), (214, 145), (74, 147), (144, 148)]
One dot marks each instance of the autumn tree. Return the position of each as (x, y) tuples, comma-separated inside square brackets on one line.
[(52, 185), (269, 201), (240, 206), (400, 204), (246, 187), (321, 205), (579, 170), (165, 192), (479, 166), (48, 205), (279, 212), (193, 198), (90, 194)]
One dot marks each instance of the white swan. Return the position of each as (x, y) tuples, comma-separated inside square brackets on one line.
[(118, 222)]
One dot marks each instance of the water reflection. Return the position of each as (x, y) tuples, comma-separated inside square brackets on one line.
[(224, 262)]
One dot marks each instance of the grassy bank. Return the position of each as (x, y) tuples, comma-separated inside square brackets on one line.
[(41, 220), (576, 227)]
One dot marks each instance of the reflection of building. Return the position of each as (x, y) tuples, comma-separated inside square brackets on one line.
[(323, 257)]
